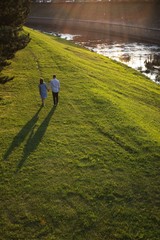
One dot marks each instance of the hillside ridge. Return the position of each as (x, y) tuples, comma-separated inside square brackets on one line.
[(89, 168)]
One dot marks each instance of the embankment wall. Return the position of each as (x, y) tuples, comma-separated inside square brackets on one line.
[(132, 19)]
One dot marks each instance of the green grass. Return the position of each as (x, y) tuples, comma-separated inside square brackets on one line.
[(89, 169)]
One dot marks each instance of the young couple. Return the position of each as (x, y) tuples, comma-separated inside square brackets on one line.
[(55, 87)]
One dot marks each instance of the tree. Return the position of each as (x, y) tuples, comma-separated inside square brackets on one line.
[(12, 37)]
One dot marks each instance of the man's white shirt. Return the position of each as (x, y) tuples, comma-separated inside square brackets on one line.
[(55, 85)]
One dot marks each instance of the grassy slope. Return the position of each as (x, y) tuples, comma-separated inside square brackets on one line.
[(89, 168)]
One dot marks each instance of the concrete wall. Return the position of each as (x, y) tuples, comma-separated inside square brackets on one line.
[(137, 13), (130, 20)]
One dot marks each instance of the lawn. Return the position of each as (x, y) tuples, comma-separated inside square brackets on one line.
[(89, 168)]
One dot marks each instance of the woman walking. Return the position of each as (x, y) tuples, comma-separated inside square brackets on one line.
[(43, 91)]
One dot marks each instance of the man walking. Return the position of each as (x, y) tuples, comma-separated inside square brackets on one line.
[(55, 86)]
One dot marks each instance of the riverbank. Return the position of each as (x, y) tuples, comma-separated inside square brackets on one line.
[(89, 168), (142, 56)]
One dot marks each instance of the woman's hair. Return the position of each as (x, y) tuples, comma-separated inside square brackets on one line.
[(41, 80)]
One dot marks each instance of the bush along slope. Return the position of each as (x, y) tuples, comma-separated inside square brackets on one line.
[(89, 168), (12, 36)]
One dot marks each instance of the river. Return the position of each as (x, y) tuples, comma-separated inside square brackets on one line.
[(143, 57)]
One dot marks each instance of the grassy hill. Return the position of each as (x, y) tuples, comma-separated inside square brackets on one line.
[(89, 168)]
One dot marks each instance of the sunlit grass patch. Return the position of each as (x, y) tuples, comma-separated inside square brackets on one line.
[(89, 168)]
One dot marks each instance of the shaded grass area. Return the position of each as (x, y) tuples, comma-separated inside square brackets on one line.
[(88, 169)]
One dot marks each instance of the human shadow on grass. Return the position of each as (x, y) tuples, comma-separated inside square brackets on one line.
[(34, 139), (20, 137)]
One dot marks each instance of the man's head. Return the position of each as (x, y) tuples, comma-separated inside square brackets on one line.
[(54, 76)]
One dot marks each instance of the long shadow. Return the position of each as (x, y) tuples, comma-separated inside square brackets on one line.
[(20, 137), (34, 139)]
